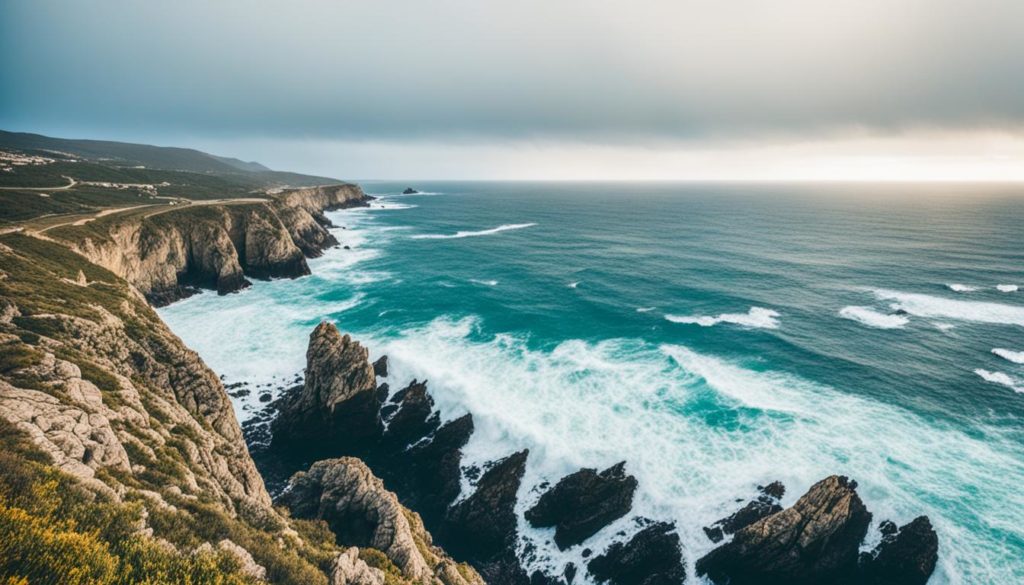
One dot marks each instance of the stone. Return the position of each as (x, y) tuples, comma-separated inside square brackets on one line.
[(349, 569), (764, 505), (652, 557), (906, 555), (813, 542), (483, 525), (380, 367), (583, 503)]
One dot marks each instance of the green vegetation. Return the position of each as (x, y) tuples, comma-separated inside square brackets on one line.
[(53, 530)]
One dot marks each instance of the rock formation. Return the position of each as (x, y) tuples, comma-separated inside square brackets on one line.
[(766, 504), (652, 557), (906, 556), (346, 494), (582, 503), (409, 191), (165, 255)]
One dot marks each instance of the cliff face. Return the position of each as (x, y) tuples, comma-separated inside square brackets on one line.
[(121, 459), (165, 255)]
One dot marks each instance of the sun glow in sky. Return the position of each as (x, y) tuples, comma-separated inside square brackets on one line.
[(531, 89)]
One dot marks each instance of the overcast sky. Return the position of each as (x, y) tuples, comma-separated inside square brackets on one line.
[(535, 89)]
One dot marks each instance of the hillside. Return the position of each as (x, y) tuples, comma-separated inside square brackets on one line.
[(42, 176)]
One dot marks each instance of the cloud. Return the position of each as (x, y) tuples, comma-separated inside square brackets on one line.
[(594, 71)]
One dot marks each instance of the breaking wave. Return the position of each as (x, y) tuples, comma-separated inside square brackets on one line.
[(1016, 357), (467, 234), (921, 305), (756, 317), (1002, 379), (872, 318)]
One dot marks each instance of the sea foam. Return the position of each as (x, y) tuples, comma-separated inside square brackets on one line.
[(1016, 357), (961, 287), (873, 318), (1007, 288), (756, 317), (469, 234), (921, 305), (1002, 379), (592, 404)]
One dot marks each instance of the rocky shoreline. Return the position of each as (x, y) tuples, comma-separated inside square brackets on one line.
[(341, 411), (344, 480)]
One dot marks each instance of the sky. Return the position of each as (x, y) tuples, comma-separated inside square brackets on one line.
[(527, 89)]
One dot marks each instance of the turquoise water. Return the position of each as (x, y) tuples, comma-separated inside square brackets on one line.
[(715, 337)]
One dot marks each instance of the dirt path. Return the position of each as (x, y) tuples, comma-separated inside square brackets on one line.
[(157, 208)]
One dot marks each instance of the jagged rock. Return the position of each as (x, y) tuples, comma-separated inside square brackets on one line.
[(336, 410), (415, 417), (484, 525), (349, 569), (246, 564), (813, 542), (380, 367), (766, 504), (216, 246), (906, 555), (582, 503), (361, 512), (409, 191), (430, 480), (652, 557)]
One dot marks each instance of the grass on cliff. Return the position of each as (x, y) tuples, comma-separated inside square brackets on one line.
[(53, 530)]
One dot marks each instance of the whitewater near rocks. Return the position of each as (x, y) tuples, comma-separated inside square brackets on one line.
[(702, 415)]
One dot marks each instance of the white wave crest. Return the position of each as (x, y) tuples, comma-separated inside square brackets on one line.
[(468, 234), (920, 305), (961, 287), (574, 284), (872, 318), (484, 282), (1007, 287), (1001, 379), (1016, 357), (756, 317), (644, 309)]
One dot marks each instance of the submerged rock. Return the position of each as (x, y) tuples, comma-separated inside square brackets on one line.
[(814, 542), (583, 503), (652, 557), (906, 556), (763, 506)]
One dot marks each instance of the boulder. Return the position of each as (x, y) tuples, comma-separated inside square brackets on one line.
[(906, 556), (380, 367), (583, 503), (349, 569), (361, 512), (813, 542), (483, 525), (652, 557), (764, 505)]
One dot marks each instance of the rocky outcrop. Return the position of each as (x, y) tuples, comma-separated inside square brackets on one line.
[(584, 502), (349, 569), (652, 557), (906, 556), (764, 505), (380, 367), (409, 191), (346, 494), (484, 524), (336, 410), (815, 541), (168, 254)]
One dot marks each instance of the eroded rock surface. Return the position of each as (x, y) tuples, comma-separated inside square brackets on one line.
[(361, 512), (906, 556), (582, 503), (652, 557), (815, 541), (764, 505)]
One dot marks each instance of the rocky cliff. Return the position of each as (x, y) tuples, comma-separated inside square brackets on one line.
[(167, 254), (121, 459)]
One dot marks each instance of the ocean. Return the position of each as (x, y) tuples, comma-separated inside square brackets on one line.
[(715, 337)]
